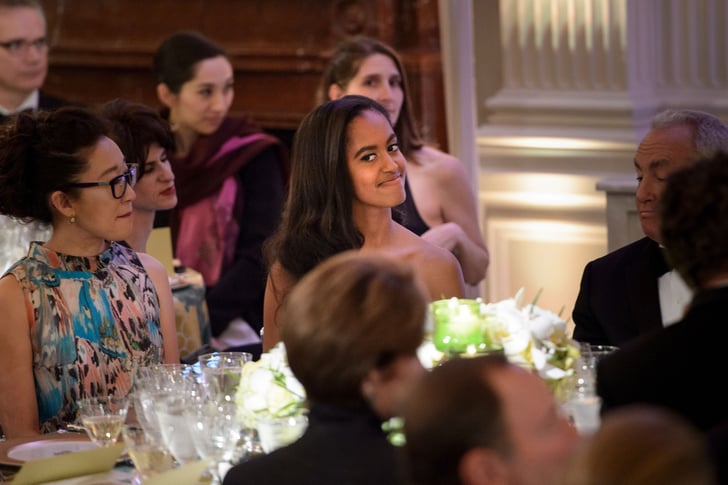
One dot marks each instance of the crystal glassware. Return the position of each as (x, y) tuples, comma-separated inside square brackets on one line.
[(103, 417)]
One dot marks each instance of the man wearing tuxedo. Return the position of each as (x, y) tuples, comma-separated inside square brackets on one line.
[(631, 291), (23, 58), (680, 367)]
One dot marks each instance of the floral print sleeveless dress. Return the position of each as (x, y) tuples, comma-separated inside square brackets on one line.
[(93, 321)]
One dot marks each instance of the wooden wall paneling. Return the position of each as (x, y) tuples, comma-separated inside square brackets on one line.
[(102, 49)]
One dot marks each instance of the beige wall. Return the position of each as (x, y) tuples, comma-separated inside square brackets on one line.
[(563, 92)]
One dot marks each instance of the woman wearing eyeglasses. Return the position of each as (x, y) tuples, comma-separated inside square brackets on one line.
[(80, 312)]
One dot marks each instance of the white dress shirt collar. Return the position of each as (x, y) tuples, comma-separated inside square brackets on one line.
[(31, 102)]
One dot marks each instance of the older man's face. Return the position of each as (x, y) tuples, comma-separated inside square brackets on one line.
[(23, 52), (661, 152)]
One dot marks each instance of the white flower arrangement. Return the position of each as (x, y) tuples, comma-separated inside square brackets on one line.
[(533, 336), (268, 389), (527, 334)]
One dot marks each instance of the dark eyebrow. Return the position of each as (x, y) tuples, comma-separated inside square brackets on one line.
[(391, 138), (364, 149)]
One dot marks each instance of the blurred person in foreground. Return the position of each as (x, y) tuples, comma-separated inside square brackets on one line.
[(632, 290), (81, 312), (679, 366), (351, 328), (348, 174), (643, 445), (484, 420)]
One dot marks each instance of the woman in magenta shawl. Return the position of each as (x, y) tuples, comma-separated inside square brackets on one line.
[(231, 182)]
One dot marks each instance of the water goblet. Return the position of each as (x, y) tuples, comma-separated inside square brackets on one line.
[(149, 456), (103, 417), (216, 434), (221, 373), (174, 427)]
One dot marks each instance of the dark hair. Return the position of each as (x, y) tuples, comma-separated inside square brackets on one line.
[(41, 153), (353, 313), (317, 220), (178, 55), (693, 215), (453, 409), (344, 65), (135, 127)]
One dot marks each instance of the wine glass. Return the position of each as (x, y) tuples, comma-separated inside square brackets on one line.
[(221, 373), (217, 435), (103, 417), (149, 455)]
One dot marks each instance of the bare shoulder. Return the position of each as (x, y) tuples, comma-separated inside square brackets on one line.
[(434, 160), (437, 267), (12, 302), (151, 264)]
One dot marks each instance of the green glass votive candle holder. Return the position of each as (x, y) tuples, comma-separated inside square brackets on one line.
[(458, 325)]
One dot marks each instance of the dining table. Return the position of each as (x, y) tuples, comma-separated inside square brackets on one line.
[(192, 317), (70, 458)]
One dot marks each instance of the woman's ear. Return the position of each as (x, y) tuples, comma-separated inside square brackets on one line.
[(62, 204), (335, 91), (165, 95), (482, 466)]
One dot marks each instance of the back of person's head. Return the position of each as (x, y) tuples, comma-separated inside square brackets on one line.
[(643, 445), (354, 313), (343, 67), (135, 127), (41, 153), (710, 134), (177, 57), (693, 215), (452, 410), (318, 219)]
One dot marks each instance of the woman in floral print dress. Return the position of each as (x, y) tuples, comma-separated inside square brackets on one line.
[(80, 313)]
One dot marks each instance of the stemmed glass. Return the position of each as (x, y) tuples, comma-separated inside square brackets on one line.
[(170, 409), (221, 373), (103, 417), (153, 383), (216, 434), (149, 455)]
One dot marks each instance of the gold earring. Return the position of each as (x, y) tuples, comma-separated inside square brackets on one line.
[(72, 219)]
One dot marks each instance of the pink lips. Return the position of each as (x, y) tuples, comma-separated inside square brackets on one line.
[(397, 179)]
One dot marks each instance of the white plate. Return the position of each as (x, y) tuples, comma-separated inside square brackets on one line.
[(47, 448)]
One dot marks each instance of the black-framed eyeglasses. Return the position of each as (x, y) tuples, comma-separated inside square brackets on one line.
[(21, 46), (118, 184)]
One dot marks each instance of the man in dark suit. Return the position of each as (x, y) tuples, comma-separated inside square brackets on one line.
[(632, 291), (23, 58), (23, 69), (680, 367)]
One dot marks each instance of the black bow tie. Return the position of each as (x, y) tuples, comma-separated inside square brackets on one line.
[(661, 262)]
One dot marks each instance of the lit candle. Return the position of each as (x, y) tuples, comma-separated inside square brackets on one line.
[(458, 325)]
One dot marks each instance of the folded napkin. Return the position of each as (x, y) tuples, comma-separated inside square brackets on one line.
[(68, 465)]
